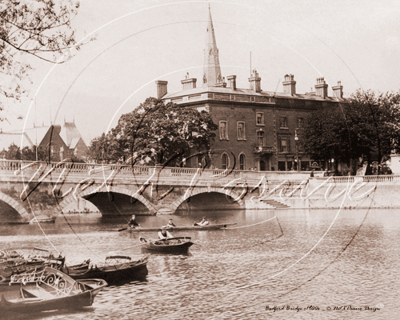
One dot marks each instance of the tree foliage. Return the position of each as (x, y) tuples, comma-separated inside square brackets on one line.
[(155, 133), (14, 152), (40, 28), (365, 124)]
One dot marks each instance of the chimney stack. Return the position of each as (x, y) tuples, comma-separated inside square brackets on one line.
[(321, 88), (338, 90), (161, 88), (188, 83), (255, 81), (289, 85), (232, 82)]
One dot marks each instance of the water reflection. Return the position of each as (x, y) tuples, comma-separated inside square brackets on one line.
[(235, 273)]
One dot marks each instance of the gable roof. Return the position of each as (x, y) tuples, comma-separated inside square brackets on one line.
[(70, 134), (20, 139)]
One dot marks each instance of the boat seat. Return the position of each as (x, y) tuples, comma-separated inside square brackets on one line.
[(26, 294), (37, 292)]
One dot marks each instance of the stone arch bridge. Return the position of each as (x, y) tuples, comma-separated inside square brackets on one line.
[(31, 188)]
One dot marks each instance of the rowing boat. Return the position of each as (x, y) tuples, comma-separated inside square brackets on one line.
[(179, 245), (182, 228), (116, 270), (21, 260), (47, 289)]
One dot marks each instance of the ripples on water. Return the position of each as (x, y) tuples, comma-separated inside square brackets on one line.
[(235, 274)]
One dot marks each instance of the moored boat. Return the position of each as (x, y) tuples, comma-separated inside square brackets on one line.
[(178, 245), (116, 270), (47, 289), (21, 260), (43, 219), (182, 228)]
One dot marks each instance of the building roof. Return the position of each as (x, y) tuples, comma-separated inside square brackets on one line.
[(246, 92), (214, 86), (20, 139), (70, 134)]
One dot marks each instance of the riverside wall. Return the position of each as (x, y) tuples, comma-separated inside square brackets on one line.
[(350, 193)]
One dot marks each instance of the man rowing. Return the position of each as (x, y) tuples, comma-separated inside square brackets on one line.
[(132, 223), (170, 224), (202, 223), (163, 234)]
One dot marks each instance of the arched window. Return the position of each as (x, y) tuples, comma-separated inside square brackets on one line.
[(242, 162), (225, 161)]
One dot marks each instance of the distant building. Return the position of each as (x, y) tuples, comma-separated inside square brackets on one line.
[(257, 128), (61, 141)]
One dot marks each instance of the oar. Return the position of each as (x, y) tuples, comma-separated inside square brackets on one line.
[(177, 238), (127, 228), (40, 249)]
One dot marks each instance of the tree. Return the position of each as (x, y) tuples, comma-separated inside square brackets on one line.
[(100, 149), (365, 124), (157, 133), (40, 28)]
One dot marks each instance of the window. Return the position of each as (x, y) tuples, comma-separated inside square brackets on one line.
[(283, 122), (242, 162), (240, 131), (284, 144), (260, 118), (223, 130), (225, 161), (300, 122), (260, 138), (61, 153)]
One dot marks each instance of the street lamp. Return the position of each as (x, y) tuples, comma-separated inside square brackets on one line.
[(296, 139)]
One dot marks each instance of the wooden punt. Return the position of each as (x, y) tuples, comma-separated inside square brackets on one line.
[(182, 228)]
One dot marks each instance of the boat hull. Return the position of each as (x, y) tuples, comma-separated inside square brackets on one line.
[(47, 290), (182, 248), (113, 275), (187, 228), (84, 299)]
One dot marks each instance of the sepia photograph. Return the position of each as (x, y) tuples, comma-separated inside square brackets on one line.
[(194, 159)]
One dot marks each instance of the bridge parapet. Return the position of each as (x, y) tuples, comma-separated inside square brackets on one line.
[(117, 174)]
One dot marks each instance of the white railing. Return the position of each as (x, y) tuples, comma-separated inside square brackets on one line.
[(124, 172)]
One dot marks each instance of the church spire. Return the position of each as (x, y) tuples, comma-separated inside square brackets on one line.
[(212, 71)]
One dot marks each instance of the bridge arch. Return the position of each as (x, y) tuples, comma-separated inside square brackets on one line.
[(19, 208), (112, 189), (204, 190)]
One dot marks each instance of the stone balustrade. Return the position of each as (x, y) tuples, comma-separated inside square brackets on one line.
[(169, 174)]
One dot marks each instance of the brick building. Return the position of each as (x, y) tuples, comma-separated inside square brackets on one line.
[(257, 128), (63, 141)]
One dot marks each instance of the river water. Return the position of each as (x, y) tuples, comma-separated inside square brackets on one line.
[(348, 259)]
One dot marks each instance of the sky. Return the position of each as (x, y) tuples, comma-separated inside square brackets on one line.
[(356, 42)]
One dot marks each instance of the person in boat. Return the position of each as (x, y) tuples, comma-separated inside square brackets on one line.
[(170, 224), (164, 234), (202, 223), (132, 223)]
